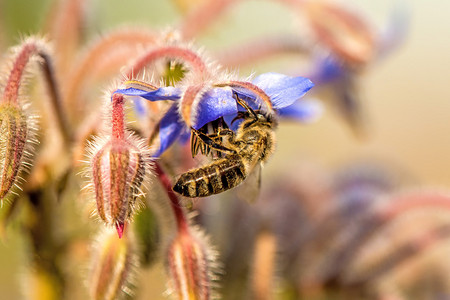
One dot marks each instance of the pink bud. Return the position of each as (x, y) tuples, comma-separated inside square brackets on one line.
[(118, 168), (191, 264), (14, 139), (16, 127), (114, 266)]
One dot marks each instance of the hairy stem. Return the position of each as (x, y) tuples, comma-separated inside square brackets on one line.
[(118, 117), (178, 212), (11, 90), (33, 47), (55, 98), (196, 62), (113, 49)]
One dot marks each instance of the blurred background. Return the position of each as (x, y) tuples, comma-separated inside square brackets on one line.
[(405, 97)]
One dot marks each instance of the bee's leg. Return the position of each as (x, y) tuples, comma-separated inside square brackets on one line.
[(210, 142), (195, 145), (221, 124), (240, 115), (220, 129), (218, 137), (224, 132)]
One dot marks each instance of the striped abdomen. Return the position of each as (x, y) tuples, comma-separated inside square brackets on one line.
[(214, 178)]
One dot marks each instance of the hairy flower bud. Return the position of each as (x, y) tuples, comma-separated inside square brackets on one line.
[(16, 126), (14, 136), (118, 168), (114, 265), (191, 264)]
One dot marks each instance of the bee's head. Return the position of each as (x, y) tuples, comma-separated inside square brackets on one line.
[(254, 117), (267, 119), (262, 119)]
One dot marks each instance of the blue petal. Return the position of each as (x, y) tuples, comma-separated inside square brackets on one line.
[(139, 108), (305, 110), (215, 103), (327, 69), (170, 129), (283, 90), (163, 93)]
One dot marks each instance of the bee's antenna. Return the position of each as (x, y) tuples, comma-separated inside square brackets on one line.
[(245, 105)]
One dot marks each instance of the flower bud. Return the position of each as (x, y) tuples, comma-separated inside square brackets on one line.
[(345, 33), (118, 168), (114, 265), (14, 137), (16, 127), (191, 264)]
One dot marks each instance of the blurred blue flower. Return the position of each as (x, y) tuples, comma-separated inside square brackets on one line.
[(284, 91), (342, 77), (342, 80)]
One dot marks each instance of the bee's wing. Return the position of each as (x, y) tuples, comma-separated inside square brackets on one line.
[(249, 190)]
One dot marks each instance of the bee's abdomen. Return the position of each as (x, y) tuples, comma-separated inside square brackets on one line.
[(214, 178)]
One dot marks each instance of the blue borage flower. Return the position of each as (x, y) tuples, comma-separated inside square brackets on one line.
[(218, 101)]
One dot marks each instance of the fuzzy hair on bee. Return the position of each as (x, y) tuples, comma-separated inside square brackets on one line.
[(242, 152)]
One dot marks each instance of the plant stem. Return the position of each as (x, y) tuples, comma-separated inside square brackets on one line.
[(28, 49), (186, 55), (118, 122), (180, 217), (55, 98)]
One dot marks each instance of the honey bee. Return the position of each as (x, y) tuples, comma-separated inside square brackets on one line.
[(239, 154)]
